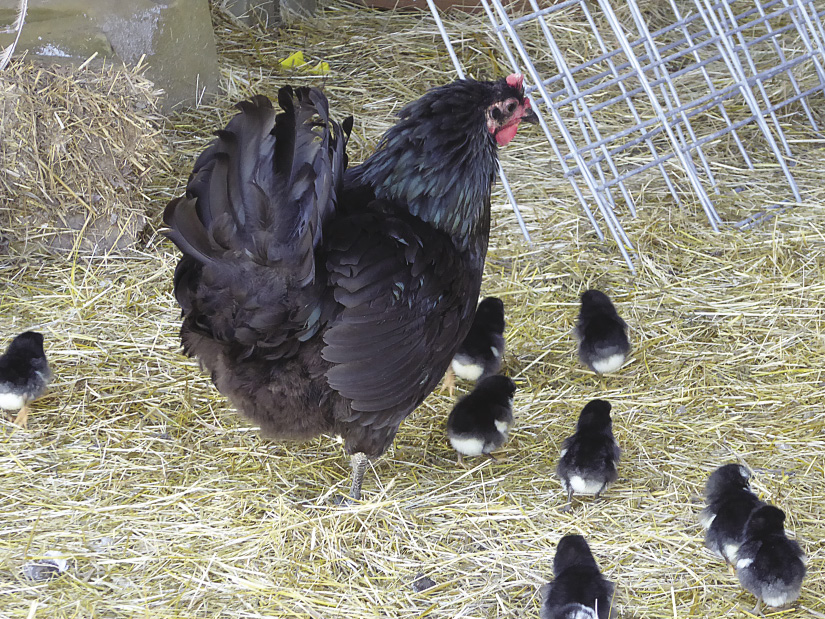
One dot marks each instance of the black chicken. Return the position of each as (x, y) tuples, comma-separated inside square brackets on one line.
[(480, 353), (325, 301), (480, 422), (602, 334), (24, 375), (578, 591), (730, 504), (590, 457), (768, 564)]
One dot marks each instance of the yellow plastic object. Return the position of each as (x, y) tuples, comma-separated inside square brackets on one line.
[(293, 61), (297, 61), (322, 68)]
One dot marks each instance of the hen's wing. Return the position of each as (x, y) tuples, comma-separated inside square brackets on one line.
[(407, 304), (252, 218)]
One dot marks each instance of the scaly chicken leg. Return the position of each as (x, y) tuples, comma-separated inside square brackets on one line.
[(757, 610), (569, 505), (359, 467), (22, 418), (448, 382)]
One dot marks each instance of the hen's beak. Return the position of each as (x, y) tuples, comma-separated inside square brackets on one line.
[(530, 117)]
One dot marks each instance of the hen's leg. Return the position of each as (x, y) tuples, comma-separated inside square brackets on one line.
[(22, 418), (359, 467)]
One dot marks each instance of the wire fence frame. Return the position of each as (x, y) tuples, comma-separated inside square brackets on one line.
[(640, 64)]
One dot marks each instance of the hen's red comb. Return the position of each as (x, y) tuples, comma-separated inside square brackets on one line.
[(516, 80)]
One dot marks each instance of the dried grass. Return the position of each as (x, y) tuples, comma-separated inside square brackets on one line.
[(169, 506), (78, 146)]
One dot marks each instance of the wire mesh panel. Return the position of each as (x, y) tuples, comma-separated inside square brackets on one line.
[(682, 78)]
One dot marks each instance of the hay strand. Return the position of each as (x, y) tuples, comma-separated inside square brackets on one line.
[(77, 141)]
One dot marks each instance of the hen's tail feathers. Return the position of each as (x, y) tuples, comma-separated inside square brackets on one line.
[(266, 185)]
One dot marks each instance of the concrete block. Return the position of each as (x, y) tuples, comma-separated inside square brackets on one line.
[(253, 12), (175, 36)]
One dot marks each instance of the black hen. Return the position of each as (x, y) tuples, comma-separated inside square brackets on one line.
[(24, 374), (578, 591), (589, 458), (730, 503), (602, 334), (480, 353), (768, 564), (324, 302)]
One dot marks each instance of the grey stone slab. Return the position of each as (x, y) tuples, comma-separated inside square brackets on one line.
[(253, 12), (175, 37)]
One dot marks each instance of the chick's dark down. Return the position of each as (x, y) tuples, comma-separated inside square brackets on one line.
[(326, 300)]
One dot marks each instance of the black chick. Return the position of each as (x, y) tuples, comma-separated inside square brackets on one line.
[(576, 611), (480, 421), (602, 334), (589, 457), (729, 504), (480, 353), (768, 564), (24, 374), (578, 591)]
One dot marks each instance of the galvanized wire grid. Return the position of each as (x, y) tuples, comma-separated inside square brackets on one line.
[(734, 45)]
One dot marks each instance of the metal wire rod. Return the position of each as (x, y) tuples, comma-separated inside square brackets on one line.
[(739, 53)]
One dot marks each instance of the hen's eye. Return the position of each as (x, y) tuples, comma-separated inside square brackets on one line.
[(511, 107)]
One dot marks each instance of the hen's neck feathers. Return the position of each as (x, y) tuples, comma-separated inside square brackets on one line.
[(438, 161)]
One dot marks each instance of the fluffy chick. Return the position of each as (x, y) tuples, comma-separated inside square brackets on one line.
[(578, 591), (768, 564), (480, 421), (24, 374), (589, 458), (481, 351), (576, 611), (602, 334), (729, 504)]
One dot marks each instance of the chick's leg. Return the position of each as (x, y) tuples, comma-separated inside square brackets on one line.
[(359, 467), (569, 505), (448, 382), (757, 610), (22, 418)]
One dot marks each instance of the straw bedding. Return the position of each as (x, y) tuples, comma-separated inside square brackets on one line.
[(74, 156), (167, 505)]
